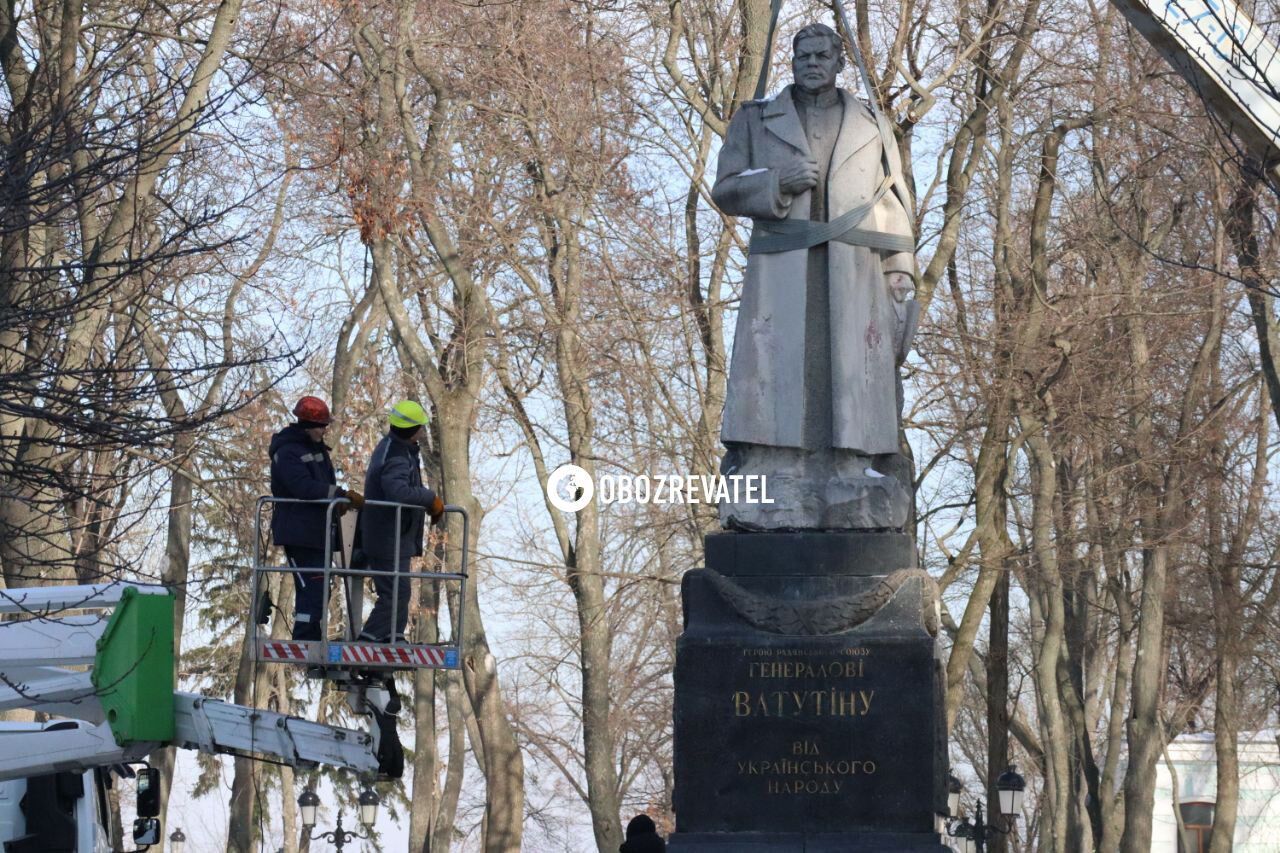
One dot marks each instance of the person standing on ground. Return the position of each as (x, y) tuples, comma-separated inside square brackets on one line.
[(301, 469), (395, 475), (642, 837)]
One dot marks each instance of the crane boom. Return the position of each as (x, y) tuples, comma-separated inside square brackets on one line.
[(1227, 59), (214, 726)]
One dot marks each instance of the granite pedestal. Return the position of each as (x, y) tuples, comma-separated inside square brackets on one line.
[(808, 706)]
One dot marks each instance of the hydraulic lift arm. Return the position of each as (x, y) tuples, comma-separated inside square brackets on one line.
[(201, 723), (1227, 59)]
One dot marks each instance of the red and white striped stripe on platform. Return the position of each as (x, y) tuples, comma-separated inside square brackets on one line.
[(367, 654), (284, 651), (377, 653)]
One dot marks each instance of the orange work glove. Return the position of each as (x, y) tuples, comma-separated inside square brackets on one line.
[(357, 499), (436, 510)]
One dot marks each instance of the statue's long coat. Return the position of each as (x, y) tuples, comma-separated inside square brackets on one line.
[(765, 399)]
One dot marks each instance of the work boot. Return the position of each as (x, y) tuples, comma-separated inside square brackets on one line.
[(264, 608), (393, 703), (366, 637)]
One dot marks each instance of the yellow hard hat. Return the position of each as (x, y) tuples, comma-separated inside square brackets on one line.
[(408, 413)]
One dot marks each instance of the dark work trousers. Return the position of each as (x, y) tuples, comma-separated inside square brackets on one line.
[(378, 626), (309, 593)]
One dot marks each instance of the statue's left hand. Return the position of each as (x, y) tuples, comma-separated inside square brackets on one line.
[(905, 312), (902, 286)]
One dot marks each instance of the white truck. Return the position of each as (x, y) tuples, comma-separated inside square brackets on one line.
[(55, 812)]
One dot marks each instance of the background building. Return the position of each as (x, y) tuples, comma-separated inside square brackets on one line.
[(1192, 759)]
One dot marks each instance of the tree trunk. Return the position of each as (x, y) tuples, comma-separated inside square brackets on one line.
[(584, 561), (454, 387), (1227, 613), (993, 539), (289, 805), (117, 825), (1226, 721), (1161, 510), (998, 696), (594, 632), (446, 813), (503, 763), (1244, 237), (177, 566), (422, 803), (252, 682), (1145, 729)]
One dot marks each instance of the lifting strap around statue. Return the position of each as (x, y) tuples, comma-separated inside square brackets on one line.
[(769, 236), (762, 83), (772, 236)]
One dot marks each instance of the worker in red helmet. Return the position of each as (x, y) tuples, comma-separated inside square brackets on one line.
[(302, 469)]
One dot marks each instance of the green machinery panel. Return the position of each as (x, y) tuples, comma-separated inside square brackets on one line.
[(133, 672)]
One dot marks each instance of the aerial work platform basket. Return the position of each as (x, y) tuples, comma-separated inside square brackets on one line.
[(343, 654)]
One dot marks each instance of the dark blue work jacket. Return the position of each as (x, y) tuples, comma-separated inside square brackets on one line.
[(395, 474), (300, 468)]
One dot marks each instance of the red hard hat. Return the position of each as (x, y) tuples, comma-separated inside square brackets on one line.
[(312, 410)]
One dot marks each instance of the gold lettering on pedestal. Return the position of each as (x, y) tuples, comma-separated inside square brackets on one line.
[(804, 769), (850, 651), (802, 703), (804, 747), (804, 669), (807, 767), (803, 786), (805, 776)]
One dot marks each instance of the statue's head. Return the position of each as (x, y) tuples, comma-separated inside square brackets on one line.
[(816, 58)]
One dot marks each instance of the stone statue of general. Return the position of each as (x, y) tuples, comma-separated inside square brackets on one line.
[(827, 313)]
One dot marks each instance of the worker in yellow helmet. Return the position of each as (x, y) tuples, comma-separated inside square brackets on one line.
[(395, 474)]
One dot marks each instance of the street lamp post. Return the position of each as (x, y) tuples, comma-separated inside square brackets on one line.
[(973, 835), (337, 836), (309, 804)]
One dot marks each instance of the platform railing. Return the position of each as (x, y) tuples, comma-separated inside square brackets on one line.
[(353, 579)]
